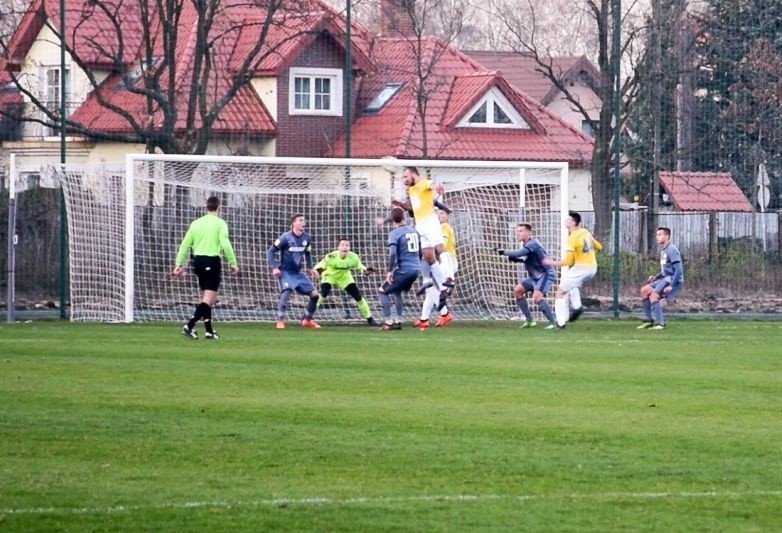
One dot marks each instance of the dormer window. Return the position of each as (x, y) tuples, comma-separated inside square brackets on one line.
[(385, 94), (315, 91), (493, 111)]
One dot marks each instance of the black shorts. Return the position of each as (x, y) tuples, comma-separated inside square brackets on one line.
[(208, 270)]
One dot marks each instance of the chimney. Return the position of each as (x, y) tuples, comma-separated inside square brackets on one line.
[(396, 18)]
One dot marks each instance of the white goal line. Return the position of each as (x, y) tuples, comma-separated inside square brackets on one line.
[(361, 500)]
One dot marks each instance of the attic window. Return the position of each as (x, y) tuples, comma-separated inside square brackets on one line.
[(315, 91), (385, 94), (493, 111)]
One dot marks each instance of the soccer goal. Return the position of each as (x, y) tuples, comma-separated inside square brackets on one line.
[(126, 221)]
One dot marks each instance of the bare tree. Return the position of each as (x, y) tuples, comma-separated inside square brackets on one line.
[(524, 33), (416, 22), (142, 42), (10, 13)]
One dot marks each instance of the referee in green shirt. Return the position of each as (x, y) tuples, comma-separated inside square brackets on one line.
[(207, 237)]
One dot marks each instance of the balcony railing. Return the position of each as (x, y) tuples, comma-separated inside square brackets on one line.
[(31, 129)]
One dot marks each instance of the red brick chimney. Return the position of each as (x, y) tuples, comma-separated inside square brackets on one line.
[(396, 18)]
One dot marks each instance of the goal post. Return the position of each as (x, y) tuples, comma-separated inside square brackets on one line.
[(126, 220)]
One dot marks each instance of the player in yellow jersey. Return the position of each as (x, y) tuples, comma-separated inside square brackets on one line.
[(449, 265), (582, 266), (422, 192)]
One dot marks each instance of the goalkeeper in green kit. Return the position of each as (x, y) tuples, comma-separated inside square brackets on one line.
[(336, 271)]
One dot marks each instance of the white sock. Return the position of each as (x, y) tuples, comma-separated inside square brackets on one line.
[(431, 299), (437, 274), (560, 308), (575, 297)]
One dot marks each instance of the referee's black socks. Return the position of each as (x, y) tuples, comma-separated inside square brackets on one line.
[(202, 310)]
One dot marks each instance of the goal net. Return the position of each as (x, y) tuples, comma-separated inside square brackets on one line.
[(126, 221)]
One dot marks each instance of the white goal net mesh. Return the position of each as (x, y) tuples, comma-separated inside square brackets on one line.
[(121, 255)]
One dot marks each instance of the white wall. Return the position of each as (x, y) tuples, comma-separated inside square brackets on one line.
[(566, 110), (266, 88), (44, 54), (580, 189)]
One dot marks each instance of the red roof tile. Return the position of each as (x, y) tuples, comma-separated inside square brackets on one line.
[(236, 30), (523, 71), (9, 94), (455, 83), (88, 28), (704, 191)]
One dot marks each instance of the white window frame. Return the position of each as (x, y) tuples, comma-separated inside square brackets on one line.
[(388, 91), (494, 96), (45, 69), (336, 96)]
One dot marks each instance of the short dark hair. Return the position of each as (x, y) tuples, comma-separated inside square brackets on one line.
[(294, 216), (342, 239), (397, 214), (212, 203), (414, 170), (526, 225), (665, 230), (575, 216)]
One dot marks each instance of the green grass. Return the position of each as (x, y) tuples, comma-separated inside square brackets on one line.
[(474, 427)]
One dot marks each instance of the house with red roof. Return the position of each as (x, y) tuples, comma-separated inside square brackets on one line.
[(702, 191), (524, 72), (291, 100)]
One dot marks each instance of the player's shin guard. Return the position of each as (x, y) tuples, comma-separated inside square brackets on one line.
[(432, 296), (198, 314), (385, 305), (657, 312), (207, 312), (545, 308), (575, 298), (399, 303), (560, 306), (311, 306), (443, 303), (523, 306), (363, 308), (646, 307), (283, 304), (437, 274)]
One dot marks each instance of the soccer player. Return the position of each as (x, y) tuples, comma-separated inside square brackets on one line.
[(664, 285), (422, 194), (404, 258), (580, 258), (450, 265), (207, 237), (540, 277), (285, 257), (335, 270)]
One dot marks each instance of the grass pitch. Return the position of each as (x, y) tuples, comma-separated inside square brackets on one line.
[(480, 426)]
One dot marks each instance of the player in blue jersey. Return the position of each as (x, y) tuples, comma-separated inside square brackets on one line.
[(664, 285), (285, 257), (402, 269), (540, 278)]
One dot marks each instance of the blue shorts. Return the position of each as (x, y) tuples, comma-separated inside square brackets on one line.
[(296, 281), (401, 283), (659, 286), (543, 284)]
